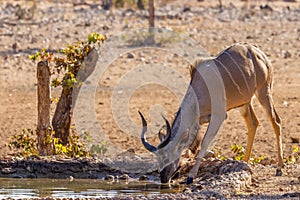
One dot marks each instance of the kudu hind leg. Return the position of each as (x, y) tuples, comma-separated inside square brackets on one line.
[(252, 123), (266, 101)]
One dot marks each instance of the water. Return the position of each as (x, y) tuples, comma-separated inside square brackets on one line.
[(77, 188)]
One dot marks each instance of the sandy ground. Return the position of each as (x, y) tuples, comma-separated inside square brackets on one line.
[(274, 29)]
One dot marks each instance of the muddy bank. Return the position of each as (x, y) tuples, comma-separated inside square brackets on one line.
[(215, 179)]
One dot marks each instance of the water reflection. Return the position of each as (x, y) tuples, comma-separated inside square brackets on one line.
[(77, 188)]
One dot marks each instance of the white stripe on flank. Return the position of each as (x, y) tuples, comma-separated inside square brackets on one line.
[(251, 59), (229, 75), (240, 71)]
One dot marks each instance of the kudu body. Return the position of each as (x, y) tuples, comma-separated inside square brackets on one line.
[(217, 85)]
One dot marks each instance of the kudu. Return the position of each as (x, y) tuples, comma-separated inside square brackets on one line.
[(217, 85)]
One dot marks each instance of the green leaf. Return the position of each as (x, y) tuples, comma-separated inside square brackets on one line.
[(33, 57), (95, 37), (295, 149), (55, 82)]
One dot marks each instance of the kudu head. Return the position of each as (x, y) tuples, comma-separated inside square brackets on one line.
[(169, 170)]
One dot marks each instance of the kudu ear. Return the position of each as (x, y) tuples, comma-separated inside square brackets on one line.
[(161, 135), (192, 69), (167, 138)]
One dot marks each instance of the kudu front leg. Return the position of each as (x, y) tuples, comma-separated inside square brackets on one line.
[(216, 90), (211, 132)]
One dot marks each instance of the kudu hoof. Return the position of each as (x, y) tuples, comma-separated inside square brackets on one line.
[(189, 180), (278, 172)]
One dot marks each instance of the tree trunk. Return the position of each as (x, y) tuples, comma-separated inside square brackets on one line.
[(44, 131), (151, 13), (63, 114), (140, 5), (62, 117), (107, 4), (151, 38), (220, 5)]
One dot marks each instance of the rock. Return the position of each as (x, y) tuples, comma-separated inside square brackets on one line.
[(31, 176), (285, 103), (209, 154), (109, 178), (295, 140), (206, 175), (130, 55), (233, 166), (266, 7), (29, 169), (123, 177), (8, 170), (143, 178), (187, 190), (292, 195), (186, 9), (198, 188), (14, 46), (287, 54), (18, 176), (71, 178), (267, 161)]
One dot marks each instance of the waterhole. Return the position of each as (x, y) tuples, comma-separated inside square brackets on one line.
[(78, 188)]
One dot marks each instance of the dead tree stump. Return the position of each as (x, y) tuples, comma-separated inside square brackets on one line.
[(44, 131), (63, 114), (151, 39), (62, 117)]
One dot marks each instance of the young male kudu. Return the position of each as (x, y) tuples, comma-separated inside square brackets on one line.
[(217, 85)]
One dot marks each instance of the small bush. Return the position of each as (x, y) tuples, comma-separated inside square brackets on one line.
[(24, 145), (240, 151), (71, 60), (294, 157), (99, 148)]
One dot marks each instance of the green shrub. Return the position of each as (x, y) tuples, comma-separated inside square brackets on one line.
[(71, 60), (25, 145), (294, 156)]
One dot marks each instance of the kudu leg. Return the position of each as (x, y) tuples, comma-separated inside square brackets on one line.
[(216, 89), (266, 101), (212, 130), (252, 123)]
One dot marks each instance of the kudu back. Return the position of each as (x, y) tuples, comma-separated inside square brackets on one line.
[(219, 84)]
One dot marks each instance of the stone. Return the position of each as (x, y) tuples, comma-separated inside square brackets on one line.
[(186, 9), (8, 170), (295, 140), (130, 55), (123, 177), (143, 178), (109, 178), (287, 54)]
